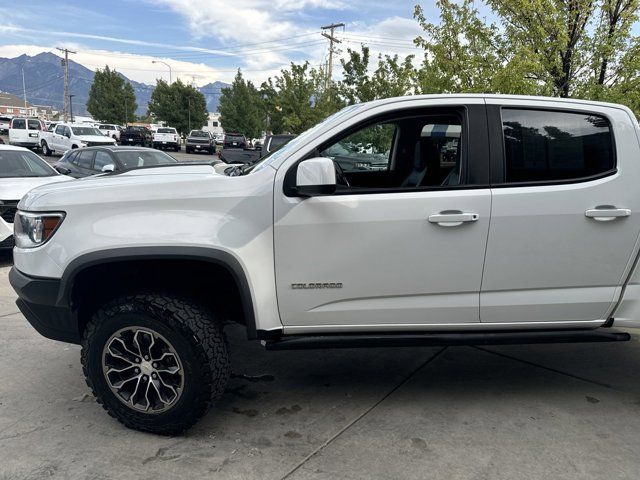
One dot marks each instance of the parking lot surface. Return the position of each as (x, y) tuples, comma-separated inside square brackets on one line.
[(525, 412)]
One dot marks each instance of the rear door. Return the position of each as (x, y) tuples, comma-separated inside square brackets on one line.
[(84, 162), (18, 131), (565, 211)]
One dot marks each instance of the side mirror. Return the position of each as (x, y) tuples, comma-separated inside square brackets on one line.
[(315, 177), (109, 168), (67, 134)]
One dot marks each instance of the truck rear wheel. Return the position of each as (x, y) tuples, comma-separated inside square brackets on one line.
[(155, 362)]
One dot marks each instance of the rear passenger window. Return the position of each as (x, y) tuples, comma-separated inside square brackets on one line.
[(546, 145), (102, 159), (21, 124), (85, 159)]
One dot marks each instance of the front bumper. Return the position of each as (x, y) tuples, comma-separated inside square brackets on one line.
[(39, 302)]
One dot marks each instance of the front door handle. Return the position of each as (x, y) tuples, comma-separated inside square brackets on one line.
[(453, 218), (607, 213)]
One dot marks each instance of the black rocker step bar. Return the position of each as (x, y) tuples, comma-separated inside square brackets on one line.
[(308, 342)]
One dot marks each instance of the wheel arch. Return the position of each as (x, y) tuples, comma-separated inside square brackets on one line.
[(122, 257)]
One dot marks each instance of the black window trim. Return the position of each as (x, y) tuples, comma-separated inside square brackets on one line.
[(464, 111), (498, 156)]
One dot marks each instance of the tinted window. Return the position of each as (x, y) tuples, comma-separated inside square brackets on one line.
[(23, 164), (545, 145), (85, 159), (102, 159), (166, 130), (34, 125), (143, 158), (198, 133), (21, 124), (277, 142)]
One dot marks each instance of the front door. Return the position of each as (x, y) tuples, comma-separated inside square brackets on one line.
[(402, 242), (565, 217)]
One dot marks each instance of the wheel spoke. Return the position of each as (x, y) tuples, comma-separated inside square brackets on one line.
[(120, 355), (144, 341)]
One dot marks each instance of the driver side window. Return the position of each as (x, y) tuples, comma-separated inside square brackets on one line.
[(420, 150), (365, 150)]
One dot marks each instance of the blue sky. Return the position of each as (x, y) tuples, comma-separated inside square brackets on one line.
[(205, 40)]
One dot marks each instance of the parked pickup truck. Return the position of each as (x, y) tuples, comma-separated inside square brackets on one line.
[(166, 137), (67, 136), (523, 227), (248, 156), (110, 130), (136, 135)]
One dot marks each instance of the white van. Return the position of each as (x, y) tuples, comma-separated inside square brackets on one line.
[(23, 132)]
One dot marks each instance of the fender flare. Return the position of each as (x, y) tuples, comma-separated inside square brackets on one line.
[(115, 255)]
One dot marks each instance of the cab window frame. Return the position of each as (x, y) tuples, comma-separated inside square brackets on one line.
[(474, 145), (498, 157)]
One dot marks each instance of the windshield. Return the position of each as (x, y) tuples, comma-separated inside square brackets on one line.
[(299, 140), (15, 163), (86, 131), (166, 130), (198, 133), (131, 159)]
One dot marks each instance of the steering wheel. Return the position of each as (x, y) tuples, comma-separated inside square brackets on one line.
[(341, 178)]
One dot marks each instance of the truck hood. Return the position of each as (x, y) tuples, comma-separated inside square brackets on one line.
[(135, 183), (16, 188)]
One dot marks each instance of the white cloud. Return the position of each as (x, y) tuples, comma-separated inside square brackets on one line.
[(136, 67)]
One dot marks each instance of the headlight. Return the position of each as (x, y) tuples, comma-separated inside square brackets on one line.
[(34, 229)]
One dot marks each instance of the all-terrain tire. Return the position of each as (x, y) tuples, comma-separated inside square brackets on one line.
[(45, 149), (194, 333)]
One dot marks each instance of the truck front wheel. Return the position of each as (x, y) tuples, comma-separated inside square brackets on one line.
[(45, 149), (155, 362)]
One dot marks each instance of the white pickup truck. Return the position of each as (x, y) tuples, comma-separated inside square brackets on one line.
[(67, 136), (166, 137), (497, 220)]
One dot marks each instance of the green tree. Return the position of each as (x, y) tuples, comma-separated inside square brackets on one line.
[(462, 52), (299, 98), (180, 105), (242, 108), (391, 78), (111, 99)]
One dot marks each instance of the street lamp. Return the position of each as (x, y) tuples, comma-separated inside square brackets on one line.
[(165, 63), (71, 106), (24, 89)]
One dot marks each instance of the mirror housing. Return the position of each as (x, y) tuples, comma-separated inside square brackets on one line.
[(316, 177), (110, 167)]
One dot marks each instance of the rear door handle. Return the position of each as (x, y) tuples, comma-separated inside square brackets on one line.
[(606, 214), (453, 218)]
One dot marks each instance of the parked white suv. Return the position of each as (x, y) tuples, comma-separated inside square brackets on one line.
[(20, 171), (486, 220), (66, 136)]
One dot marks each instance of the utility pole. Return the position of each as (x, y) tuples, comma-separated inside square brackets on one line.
[(332, 39), (65, 64)]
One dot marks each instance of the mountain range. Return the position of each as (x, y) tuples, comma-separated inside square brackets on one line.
[(44, 83)]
